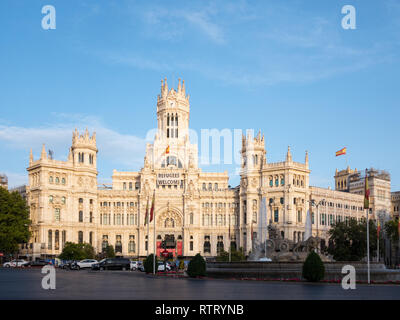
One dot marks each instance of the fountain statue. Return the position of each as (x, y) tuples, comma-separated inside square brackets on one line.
[(279, 249)]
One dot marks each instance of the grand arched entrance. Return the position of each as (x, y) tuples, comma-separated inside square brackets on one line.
[(169, 232)]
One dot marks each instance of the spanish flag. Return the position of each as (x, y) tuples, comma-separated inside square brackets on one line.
[(167, 150), (152, 207), (146, 219), (366, 192), (341, 152)]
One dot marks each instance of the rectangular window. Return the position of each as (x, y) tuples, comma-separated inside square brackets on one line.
[(276, 215), (57, 214)]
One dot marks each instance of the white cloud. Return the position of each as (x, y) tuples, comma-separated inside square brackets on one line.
[(114, 148)]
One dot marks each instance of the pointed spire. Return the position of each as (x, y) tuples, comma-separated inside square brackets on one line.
[(179, 85), (306, 161), (70, 154), (288, 155), (183, 88), (30, 157), (43, 155), (165, 87)]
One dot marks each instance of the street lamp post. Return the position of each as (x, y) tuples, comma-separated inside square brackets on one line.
[(317, 217)]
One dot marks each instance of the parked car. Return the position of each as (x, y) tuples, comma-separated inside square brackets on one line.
[(86, 263), (37, 263), (135, 265), (164, 267), (65, 264), (141, 267), (15, 263), (113, 264)]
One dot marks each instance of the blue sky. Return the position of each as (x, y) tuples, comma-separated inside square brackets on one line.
[(286, 68)]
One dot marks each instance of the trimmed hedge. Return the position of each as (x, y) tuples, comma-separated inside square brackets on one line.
[(313, 268), (197, 266), (148, 264)]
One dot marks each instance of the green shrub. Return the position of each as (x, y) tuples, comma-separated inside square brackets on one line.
[(313, 268), (197, 266), (148, 264)]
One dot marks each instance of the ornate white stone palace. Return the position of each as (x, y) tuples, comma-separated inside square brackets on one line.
[(197, 210)]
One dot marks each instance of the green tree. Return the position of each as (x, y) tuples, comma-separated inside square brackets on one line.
[(348, 240), (392, 230), (14, 221), (109, 252), (197, 266), (77, 251), (148, 264), (236, 255), (313, 268)]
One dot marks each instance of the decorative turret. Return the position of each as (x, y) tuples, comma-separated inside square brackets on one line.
[(306, 160), (289, 155), (253, 150), (43, 155), (30, 158), (83, 150)]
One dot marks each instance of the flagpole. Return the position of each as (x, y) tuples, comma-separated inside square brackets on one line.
[(366, 207), (147, 221), (154, 236), (377, 256), (366, 210), (230, 238)]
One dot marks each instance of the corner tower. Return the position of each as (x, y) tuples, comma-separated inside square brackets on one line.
[(83, 152)]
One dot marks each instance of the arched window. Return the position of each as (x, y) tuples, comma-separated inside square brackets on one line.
[(90, 237), (50, 239), (51, 179), (104, 243), (220, 244), (210, 186), (207, 245), (215, 186), (118, 244), (63, 180), (80, 237), (80, 216), (63, 237), (50, 199), (57, 180), (204, 187), (132, 245), (219, 220), (169, 223)]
